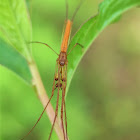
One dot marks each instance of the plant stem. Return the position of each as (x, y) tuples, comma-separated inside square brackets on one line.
[(37, 83)]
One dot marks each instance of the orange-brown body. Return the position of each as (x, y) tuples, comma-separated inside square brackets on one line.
[(65, 40), (64, 46)]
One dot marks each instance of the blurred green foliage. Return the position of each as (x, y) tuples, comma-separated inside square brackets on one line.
[(103, 101), (12, 60), (15, 25)]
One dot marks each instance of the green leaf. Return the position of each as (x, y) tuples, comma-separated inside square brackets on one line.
[(109, 11), (15, 27), (116, 19), (14, 61)]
